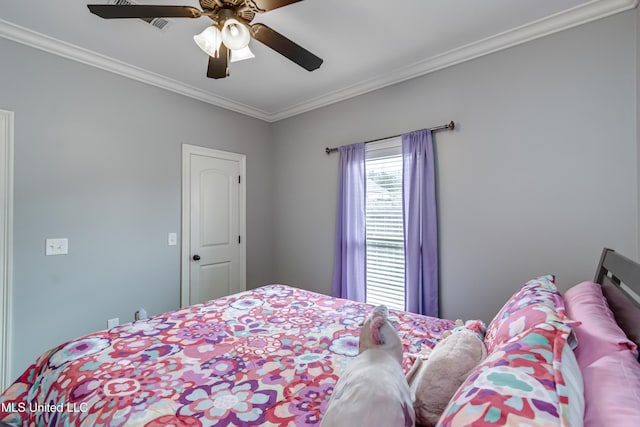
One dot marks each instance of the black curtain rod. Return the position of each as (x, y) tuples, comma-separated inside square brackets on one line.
[(449, 126)]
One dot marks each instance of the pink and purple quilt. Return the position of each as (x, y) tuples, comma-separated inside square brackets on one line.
[(267, 357)]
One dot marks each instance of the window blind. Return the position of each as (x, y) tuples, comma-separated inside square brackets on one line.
[(384, 230)]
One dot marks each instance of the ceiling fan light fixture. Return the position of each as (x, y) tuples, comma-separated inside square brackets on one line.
[(209, 40), (235, 35), (230, 33), (241, 54)]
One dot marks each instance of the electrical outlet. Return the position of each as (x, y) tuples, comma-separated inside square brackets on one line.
[(112, 323), (140, 314)]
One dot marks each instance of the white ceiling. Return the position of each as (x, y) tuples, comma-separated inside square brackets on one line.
[(365, 44)]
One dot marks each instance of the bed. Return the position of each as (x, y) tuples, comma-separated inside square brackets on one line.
[(272, 355)]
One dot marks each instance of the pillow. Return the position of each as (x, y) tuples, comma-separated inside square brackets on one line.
[(434, 381), (612, 391), (520, 383), (598, 334), (537, 301), (625, 312)]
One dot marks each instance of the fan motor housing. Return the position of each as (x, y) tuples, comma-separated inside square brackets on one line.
[(242, 9)]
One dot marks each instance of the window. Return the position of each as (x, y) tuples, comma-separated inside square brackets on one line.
[(384, 225)]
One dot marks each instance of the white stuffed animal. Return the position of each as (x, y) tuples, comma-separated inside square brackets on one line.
[(437, 373), (373, 390)]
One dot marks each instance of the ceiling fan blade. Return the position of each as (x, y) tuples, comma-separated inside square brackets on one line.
[(112, 11), (219, 67), (265, 5), (285, 47)]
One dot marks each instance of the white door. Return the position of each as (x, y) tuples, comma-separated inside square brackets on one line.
[(214, 198)]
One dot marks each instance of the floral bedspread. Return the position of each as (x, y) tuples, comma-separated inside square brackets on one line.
[(270, 356)]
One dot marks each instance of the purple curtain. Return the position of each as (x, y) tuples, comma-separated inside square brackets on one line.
[(349, 271), (420, 223)]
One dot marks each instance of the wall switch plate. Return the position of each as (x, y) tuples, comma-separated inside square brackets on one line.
[(172, 240), (56, 246), (112, 323)]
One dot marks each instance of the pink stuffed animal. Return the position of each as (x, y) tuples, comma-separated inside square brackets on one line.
[(372, 390), (437, 374)]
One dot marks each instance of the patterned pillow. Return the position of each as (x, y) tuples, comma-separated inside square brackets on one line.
[(520, 383), (537, 301)]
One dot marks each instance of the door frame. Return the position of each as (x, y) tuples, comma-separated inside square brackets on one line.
[(6, 244), (185, 257)]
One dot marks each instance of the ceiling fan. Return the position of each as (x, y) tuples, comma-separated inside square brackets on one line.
[(230, 34)]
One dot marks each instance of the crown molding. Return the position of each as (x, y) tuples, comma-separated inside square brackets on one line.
[(588, 12), (48, 44)]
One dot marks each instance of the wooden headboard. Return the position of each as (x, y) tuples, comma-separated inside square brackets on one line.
[(619, 271), (620, 280)]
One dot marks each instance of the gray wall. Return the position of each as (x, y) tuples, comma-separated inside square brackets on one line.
[(98, 160), (540, 174)]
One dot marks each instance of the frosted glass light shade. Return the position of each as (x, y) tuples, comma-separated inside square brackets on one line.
[(209, 40), (241, 54), (235, 36)]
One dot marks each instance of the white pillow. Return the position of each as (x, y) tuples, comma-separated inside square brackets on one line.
[(575, 386)]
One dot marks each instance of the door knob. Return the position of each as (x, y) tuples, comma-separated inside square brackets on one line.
[(196, 257)]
